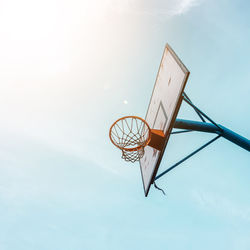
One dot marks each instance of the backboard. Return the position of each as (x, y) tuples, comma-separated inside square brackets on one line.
[(162, 110)]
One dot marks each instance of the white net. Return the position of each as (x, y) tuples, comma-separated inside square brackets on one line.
[(131, 134)]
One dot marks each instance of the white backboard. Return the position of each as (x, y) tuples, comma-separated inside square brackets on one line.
[(163, 108)]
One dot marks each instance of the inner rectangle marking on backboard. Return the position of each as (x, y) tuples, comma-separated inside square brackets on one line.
[(160, 118)]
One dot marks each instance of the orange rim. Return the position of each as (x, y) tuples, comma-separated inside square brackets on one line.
[(135, 148)]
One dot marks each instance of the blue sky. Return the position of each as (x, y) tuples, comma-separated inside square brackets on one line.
[(68, 69)]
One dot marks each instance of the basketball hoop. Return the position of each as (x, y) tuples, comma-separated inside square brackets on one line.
[(130, 134)]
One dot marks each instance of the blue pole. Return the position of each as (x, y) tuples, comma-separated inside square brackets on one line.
[(211, 128)]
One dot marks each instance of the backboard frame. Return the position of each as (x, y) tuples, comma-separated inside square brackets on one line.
[(176, 108)]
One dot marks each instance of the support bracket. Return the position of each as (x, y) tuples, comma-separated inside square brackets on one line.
[(212, 127), (157, 139)]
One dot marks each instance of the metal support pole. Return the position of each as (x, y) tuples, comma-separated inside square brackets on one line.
[(187, 157), (211, 128), (198, 113)]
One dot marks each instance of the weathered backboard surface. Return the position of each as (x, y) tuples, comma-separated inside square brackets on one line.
[(163, 108)]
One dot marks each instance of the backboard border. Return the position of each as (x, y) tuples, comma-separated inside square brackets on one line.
[(177, 105)]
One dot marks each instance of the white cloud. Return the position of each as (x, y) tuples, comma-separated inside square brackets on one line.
[(184, 6), (156, 8)]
